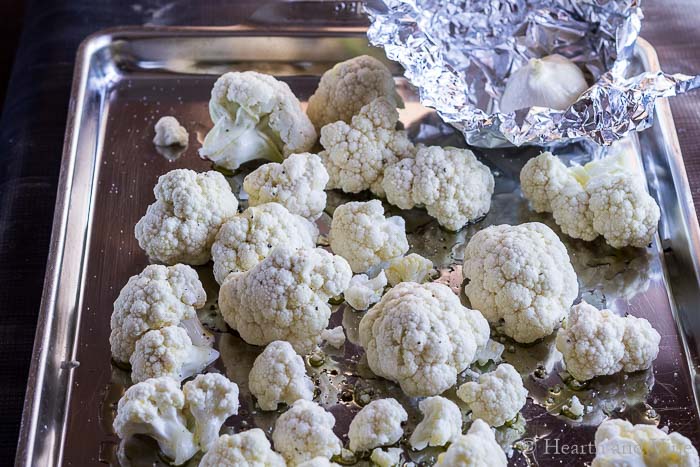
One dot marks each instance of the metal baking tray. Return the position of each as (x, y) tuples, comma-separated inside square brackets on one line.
[(126, 78)]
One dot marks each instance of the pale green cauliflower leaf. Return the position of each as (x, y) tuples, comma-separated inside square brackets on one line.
[(409, 268), (364, 292), (441, 424), (246, 449), (210, 399), (377, 424), (478, 448)]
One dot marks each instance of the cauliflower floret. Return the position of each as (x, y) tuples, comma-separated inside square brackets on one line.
[(297, 184), (190, 208), (278, 375), (452, 185), (364, 292), (598, 342), (390, 457), (441, 424), (497, 397), (318, 462), (255, 117), (246, 449), (249, 237), (377, 424), (169, 132), (409, 268), (169, 352), (356, 154), (155, 408), (618, 442), (477, 448), (211, 399), (304, 432), (157, 297), (362, 235), (421, 336), (520, 279), (347, 87), (334, 337), (285, 297)]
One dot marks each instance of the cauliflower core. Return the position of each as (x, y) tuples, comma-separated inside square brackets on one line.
[(181, 225), (246, 449), (210, 399), (377, 424), (477, 448), (364, 292), (169, 132), (421, 336), (520, 279), (409, 268), (441, 424)]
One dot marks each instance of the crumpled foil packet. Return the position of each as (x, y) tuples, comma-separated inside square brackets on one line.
[(460, 53)]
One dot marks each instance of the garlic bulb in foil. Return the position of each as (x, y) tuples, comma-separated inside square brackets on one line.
[(553, 81)]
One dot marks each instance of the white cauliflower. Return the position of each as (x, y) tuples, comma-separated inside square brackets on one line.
[(520, 279), (356, 154), (190, 208), (478, 448), (347, 87), (619, 443), (441, 424), (334, 337), (169, 132), (497, 397), (249, 237), (389, 457), (285, 297), (278, 375), (255, 116), (210, 399), (362, 235), (409, 268), (304, 432), (452, 185), (598, 342), (377, 424), (246, 449), (298, 184), (318, 462), (157, 297), (364, 292), (155, 408), (421, 336)]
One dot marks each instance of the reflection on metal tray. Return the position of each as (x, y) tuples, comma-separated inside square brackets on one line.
[(126, 79)]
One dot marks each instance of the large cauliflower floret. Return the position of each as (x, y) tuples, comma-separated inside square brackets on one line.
[(246, 449), (181, 225), (251, 236), (520, 278), (356, 154), (155, 408), (497, 397), (278, 375), (441, 424), (347, 87), (364, 292), (598, 342), (298, 184), (362, 235), (285, 297), (255, 117), (157, 297), (304, 432), (421, 336), (409, 268), (453, 186), (618, 443), (477, 448), (377, 424), (210, 399)]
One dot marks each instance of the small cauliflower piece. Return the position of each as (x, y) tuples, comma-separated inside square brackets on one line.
[(452, 185), (255, 116), (362, 235), (497, 397), (305, 432), (349, 86), (575, 407), (169, 132), (190, 208), (357, 153), (598, 342), (520, 279), (441, 424), (249, 237), (155, 408), (390, 457), (477, 448), (298, 184), (409, 268), (364, 292), (278, 375), (334, 337), (318, 462), (377, 424), (210, 399), (420, 336), (246, 449), (285, 297)]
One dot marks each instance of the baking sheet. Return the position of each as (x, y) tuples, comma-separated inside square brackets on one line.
[(126, 79)]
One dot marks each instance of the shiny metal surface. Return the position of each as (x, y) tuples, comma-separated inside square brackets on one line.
[(126, 79)]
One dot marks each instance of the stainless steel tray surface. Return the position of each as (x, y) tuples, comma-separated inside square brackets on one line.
[(126, 79)]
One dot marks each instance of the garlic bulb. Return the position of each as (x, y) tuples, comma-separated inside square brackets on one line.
[(553, 81)]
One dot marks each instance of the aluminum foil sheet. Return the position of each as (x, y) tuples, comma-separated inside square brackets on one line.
[(460, 54)]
